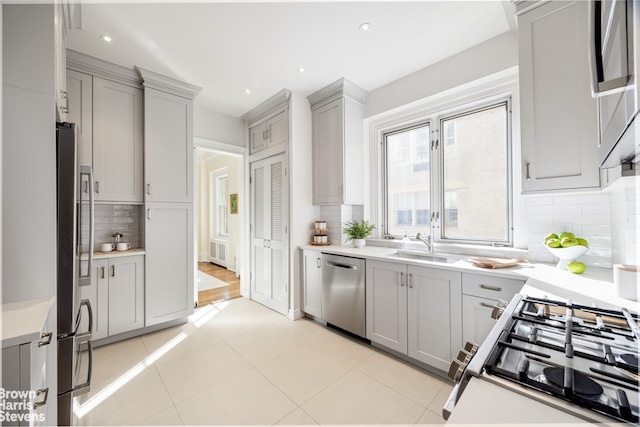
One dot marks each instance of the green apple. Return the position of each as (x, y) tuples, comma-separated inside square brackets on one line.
[(582, 242), (549, 237), (566, 234), (567, 242), (553, 243), (576, 267)]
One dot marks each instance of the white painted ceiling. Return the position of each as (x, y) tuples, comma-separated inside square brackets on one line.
[(228, 47)]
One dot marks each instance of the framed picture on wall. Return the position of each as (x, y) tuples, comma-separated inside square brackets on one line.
[(233, 203)]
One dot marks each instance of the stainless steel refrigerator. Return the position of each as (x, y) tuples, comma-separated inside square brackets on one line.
[(75, 235)]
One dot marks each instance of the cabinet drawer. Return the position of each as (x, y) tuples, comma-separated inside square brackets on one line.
[(491, 287)]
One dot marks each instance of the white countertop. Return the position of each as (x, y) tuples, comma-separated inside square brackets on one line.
[(595, 285), (23, 321), (114, 254)]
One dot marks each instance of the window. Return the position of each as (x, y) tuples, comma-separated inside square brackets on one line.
[(222, 205), (406, 195), (464, 180)]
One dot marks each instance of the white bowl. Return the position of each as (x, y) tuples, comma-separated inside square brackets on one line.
[(567, 255)]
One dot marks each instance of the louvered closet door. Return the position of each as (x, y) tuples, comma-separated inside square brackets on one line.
[(269, 226)]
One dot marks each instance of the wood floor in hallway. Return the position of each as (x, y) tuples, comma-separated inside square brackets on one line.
[(218, 294)]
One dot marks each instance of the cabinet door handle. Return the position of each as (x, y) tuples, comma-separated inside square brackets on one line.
[(528, 175), (102, 272), (491, 288), (42, 402), (97, 187), (318, 263), (45, 339), (484, 304), (113, 271), (86, 186), (64, 95), (401, 279), (149, 189), (148, 213), (268, 134), (411, 280)]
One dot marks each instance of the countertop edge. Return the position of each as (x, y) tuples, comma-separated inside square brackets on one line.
[(595, 285), (23, 321)]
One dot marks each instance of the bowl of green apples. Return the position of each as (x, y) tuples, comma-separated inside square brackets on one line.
[(567, 248)]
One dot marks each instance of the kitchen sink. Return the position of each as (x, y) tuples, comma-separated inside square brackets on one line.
[(424, 256)]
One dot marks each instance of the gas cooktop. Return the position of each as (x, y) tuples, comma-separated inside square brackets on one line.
[(586, 357)]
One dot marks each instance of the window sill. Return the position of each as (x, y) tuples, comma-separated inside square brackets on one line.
[(454, 248)]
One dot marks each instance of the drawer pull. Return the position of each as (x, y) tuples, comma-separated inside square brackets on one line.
[(484, 304), (491, 288), (45, 339), (43, 402)]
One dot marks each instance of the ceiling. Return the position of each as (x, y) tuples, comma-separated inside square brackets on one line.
[(230, 47)]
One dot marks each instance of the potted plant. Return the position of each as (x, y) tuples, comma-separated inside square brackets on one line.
[(358, 231)]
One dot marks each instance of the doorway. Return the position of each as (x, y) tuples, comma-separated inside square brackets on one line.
[(219, 183)]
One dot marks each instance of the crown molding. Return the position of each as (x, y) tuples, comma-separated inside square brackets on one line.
[(339, 88), (275, 104), (97, 67), (153, 80)]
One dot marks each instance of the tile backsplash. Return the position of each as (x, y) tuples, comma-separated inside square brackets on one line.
[(111, 218), (336, 216), (607, 219)]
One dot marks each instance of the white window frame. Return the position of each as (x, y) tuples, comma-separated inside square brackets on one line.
[(473, 95)]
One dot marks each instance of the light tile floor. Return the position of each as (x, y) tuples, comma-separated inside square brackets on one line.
[(239, 363)]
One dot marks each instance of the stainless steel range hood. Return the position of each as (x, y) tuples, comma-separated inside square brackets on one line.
[(626, 150)]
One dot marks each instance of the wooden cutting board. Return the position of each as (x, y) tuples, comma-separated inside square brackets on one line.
[(484, 262)]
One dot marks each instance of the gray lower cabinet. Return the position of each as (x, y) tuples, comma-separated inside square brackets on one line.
[(415, 311), (116, 294), (24, 368), (169, 262), (312, 280), (480, 293)]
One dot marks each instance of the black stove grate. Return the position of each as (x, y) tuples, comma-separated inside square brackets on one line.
[(549, 367)]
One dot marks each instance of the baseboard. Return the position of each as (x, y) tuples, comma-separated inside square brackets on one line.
[(295, 314)]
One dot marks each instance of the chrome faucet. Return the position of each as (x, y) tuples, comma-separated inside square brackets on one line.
[(427, 241)]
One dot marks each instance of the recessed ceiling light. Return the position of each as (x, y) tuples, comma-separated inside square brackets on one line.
[(301, 70), (106, 38), (365, 26), (247, 91)]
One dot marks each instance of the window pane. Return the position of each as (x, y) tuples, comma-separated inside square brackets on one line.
[(407, 180), (223, 205), (475, 176)]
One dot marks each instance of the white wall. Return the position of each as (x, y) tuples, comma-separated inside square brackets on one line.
[(29, 181), (219, 127), (495, 55)]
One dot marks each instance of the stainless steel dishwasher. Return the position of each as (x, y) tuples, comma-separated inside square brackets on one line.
[(343, 300)]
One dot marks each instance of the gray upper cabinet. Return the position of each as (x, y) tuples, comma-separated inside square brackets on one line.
[(272, 132), (80, 112), (168, 138), (168, 147), (558, 114), (117, 141), (338, 144)]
